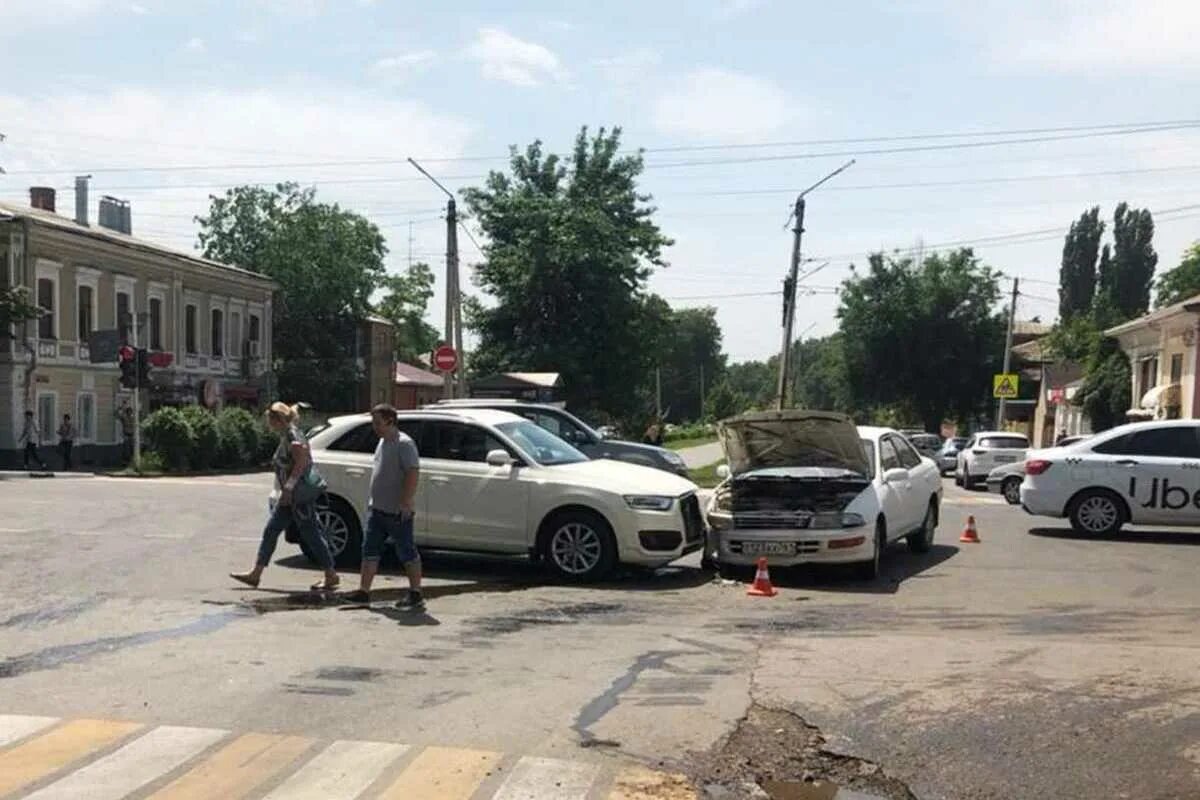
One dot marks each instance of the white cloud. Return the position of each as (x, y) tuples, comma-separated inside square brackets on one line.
[(717, 104), (504, 57), (195, 45), (1101, 36), (394, 69)]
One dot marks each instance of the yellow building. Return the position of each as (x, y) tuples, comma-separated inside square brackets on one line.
[(1162, 352), (212, 320)]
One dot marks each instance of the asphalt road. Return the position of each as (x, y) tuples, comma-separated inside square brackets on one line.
[(1034, 664)]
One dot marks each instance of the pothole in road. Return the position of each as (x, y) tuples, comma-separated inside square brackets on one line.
[(777, 755)]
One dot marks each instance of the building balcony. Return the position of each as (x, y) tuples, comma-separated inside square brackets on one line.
[(47, 348)]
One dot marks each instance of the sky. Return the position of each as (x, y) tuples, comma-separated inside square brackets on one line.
[(739, 104)]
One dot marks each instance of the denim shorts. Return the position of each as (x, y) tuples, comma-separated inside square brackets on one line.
[(382, 527)]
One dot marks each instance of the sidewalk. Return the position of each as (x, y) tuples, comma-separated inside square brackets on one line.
[(17, 474)]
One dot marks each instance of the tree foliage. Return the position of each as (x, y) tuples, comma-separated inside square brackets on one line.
[(690, 354), (819, 374), (1125, 283), (404, 306), (724, 401), (1105, 393), (1182, 282), (922, 338), (754, 381), (1077, 275), (571, 244), (15, 308), (328, 261)]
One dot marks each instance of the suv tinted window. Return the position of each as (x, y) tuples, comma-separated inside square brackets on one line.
[(1004, 442), (908, 456), (558, 424), (359, 439), (1171, 442), (457, 442)]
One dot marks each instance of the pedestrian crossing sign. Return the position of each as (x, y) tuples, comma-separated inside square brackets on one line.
[(1004, 386)]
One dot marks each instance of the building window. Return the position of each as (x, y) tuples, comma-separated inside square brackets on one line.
[(124, 317), (1176, 367), (85, 416), (218, 333), (46, 300), (46, 414), (189, 330), (156, 304), (253, 336), (1149, 374), (87, 300), (235, 333)]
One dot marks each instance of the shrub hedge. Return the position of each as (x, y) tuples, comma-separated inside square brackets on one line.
[(193, 438)]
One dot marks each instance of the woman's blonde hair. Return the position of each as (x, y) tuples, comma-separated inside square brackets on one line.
[(283, 412)]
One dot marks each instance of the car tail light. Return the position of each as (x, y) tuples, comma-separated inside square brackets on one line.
[(1037, 466)]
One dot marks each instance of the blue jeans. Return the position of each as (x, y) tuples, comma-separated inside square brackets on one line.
[(382, 526), (306, 523)]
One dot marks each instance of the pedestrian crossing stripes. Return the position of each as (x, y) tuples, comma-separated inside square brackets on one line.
[(46, 758)]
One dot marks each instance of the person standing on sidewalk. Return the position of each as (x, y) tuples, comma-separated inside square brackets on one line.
[(391, 509), (32, 437), (292, 461), (66, 441), (124, 416)]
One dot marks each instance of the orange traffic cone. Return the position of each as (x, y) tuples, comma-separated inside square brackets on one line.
[(762, 582), (969, 533)]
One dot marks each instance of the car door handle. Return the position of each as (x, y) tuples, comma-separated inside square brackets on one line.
[(439, 480), (355, 471), (1127, 462)]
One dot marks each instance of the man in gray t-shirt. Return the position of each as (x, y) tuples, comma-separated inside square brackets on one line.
[(391, 507)]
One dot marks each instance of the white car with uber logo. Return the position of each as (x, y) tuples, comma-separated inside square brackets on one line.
[(1142, 473), (494, 482)]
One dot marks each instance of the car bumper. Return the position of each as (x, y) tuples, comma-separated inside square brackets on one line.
[(656, 538), (947, 464), (732, 546), (1039, 503)]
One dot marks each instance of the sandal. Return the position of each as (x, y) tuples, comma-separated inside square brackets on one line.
[(244, 577), (322, 586)]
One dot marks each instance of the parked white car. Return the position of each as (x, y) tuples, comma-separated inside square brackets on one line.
[(985, 451), (1143, 473), (493, 482), (808, 486)]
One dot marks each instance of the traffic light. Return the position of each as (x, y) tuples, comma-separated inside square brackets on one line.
[(143, 368), (129, 372)]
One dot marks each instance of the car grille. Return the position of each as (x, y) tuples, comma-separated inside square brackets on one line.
[(693, 520), (772, 519)]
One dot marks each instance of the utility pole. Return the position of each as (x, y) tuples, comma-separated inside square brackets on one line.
[(701, 389), (453, 328), (137, 399), (1012, 315), (789, 286)]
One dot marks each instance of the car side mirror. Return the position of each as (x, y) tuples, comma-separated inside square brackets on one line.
[(896, 475), (499, 458), (723, 471)]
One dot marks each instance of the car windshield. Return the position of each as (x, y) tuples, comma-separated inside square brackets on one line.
[(545, 447), (869, 449), (1004, 442)]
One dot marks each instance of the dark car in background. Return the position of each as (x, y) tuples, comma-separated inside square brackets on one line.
[(579, 434)]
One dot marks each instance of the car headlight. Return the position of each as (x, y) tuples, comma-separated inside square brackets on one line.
[(649, 502), (852, 520)]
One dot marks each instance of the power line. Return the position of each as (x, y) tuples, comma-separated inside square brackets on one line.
[(1039, 297)]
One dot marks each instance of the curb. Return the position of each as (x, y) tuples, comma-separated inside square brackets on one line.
[(29, 475)]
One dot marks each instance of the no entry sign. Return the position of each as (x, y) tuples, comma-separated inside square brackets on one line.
[(445, 358)]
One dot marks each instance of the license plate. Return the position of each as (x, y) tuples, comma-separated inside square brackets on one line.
[(769, 548), (1005, 459)]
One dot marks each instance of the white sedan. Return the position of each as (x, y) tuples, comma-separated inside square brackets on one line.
[(1142, 473), (808, 486), (494, 482)]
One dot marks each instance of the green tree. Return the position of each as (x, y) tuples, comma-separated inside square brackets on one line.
[(754, 380), (819, 368), (924, 338), (723, 401), (1105, 393), (1077, 275), (690, 353), (1125, 285), (571, 244), (1182, 282), (15, 308), (328, 261), (404, 306)]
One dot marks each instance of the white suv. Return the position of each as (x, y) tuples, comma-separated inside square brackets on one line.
[(985, 451), (497, 483)]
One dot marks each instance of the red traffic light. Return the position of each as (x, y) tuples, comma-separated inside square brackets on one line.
[(126, 353)]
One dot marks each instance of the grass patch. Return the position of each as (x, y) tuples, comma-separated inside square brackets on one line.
[(706, 477), (682, 444)]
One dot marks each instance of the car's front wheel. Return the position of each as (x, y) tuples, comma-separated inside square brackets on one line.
[(921, 540), (579, 546), (1011, 488), (1097, 512), (338, 523)]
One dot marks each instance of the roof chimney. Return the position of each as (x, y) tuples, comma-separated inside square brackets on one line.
[(81, 199), (42, 197), (114, 215)]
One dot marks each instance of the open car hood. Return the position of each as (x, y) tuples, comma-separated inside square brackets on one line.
[(792, 438)]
